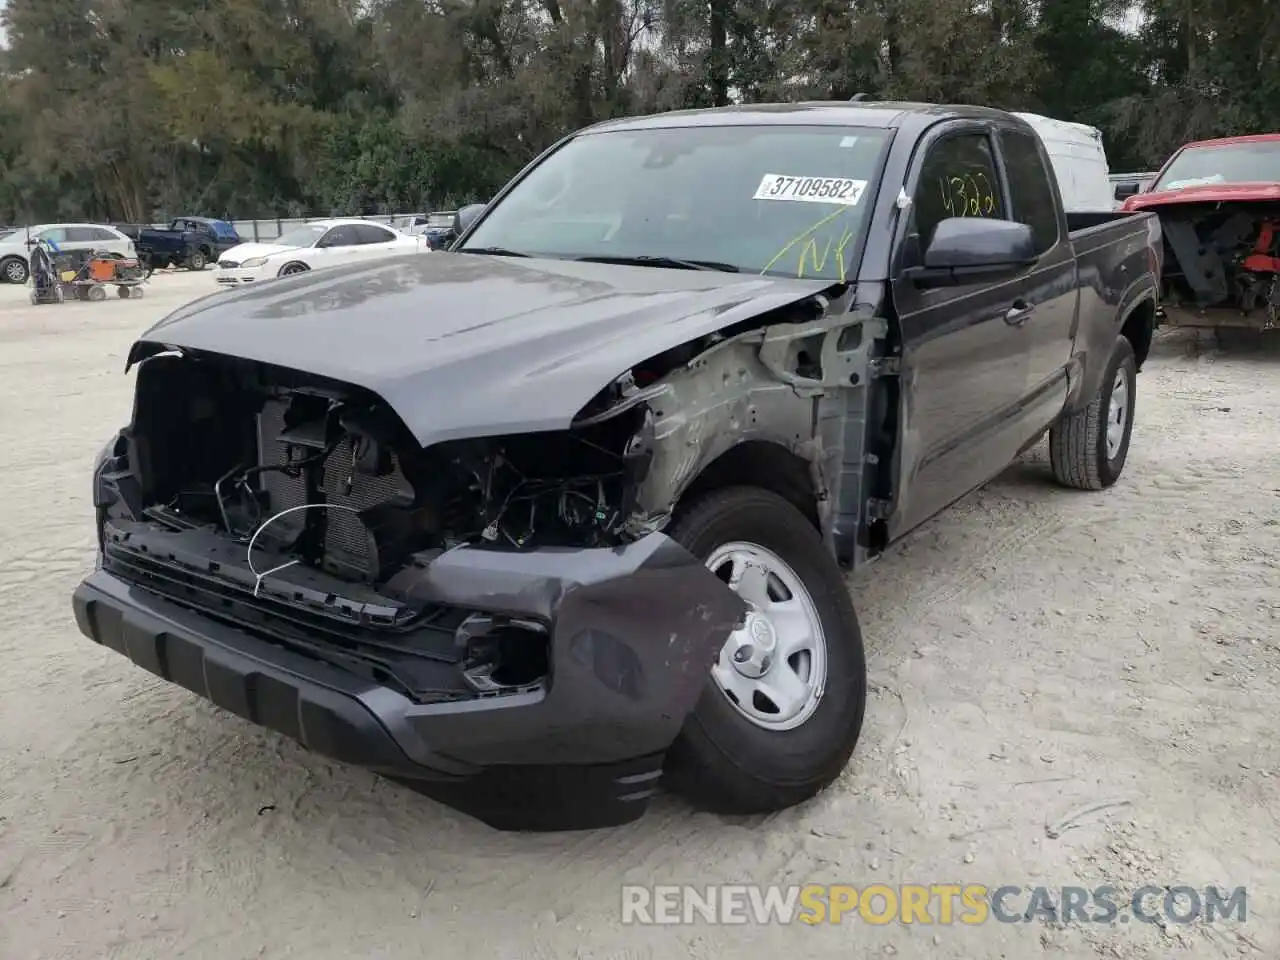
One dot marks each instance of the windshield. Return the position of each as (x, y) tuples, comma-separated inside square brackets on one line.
[(1224, 163), (304, 236), (782, 200)]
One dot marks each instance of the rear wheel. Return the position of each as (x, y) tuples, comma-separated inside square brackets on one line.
[(14, 270), (782, 708), (1088, 449), (197, 260)]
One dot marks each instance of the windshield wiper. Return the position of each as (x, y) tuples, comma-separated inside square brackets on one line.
[(652, 260), (493, 251)]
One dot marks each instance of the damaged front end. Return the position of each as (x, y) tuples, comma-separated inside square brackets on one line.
[(496, 606), (1222, 264)]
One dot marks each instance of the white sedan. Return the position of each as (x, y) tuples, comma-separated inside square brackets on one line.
[(313, 246)]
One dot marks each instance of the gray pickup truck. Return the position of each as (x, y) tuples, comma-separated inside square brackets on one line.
[(534, 522)]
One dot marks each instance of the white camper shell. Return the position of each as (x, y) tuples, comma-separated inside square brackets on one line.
[(1079, 163)]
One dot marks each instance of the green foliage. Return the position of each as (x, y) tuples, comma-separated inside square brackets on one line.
[(135, 109)]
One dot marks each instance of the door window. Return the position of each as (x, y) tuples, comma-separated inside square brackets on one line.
[(958, 179), (345, 235), (1030, 192), (369, 233), (82, 235), (103, 234), (55, 234)]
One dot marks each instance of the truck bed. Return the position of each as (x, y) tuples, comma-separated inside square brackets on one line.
[(1078, 223)]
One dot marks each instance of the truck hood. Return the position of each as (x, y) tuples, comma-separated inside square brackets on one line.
[(1205, 193), (469, 345)]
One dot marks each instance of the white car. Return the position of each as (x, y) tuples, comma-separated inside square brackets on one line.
[(313, 246), (15, 246)]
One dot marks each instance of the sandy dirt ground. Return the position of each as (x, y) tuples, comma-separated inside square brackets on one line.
[(1067, 689)]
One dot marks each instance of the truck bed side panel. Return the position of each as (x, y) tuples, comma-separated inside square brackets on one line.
[(1118, 268)]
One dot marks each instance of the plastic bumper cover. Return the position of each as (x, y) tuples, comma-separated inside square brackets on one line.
[(634, 631)]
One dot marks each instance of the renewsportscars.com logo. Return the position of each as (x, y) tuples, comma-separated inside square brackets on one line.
[(939, 903)]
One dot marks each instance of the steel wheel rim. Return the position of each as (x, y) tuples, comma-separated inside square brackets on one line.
[(773, 669), (1117, 413)]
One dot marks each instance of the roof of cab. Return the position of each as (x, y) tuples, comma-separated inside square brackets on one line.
[(857, 113)]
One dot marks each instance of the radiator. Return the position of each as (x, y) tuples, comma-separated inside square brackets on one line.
[(345, 537)]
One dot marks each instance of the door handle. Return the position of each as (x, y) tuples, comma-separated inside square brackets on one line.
[(1019, 313)]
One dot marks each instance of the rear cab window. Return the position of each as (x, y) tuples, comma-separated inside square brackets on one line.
[(1030, 191)]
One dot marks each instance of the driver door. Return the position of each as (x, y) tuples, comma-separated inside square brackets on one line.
[(340, 245), (965, 361)]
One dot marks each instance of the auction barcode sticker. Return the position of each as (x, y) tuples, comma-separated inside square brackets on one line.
[(841, 190)]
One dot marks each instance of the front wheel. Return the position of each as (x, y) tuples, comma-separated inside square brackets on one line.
[(197, 260), (14, 270), (1088, 449), (292, 269), (782, 708)]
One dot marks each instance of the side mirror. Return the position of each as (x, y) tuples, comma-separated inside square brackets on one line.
[(466, 216), (1126, 190), (967, 249)]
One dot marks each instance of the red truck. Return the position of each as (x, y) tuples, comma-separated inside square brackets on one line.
[(1219, 207)]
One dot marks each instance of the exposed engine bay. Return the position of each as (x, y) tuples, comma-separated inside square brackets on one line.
[(287, 503), (1222, 266)]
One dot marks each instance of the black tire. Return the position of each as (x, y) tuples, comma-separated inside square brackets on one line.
[(14, 270), (1078, 443), (722, 761), (197, 261), (290, 269)]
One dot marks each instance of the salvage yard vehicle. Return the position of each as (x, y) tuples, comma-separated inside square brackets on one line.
[(191, 242), (534, 522), (314, 246), (15, 247), (1219, 208), (1127, 185)]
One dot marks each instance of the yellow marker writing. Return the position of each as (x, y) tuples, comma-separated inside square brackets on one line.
[(807, 235)]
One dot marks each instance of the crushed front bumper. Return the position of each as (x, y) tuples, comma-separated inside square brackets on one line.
[(634, 631)]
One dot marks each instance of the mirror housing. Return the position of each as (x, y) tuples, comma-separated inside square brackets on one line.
[(466, 216), (969, 249), (1126, 190)]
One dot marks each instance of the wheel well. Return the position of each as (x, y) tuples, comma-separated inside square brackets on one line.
[(291, 263), (1139, 326), (760, 463)]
